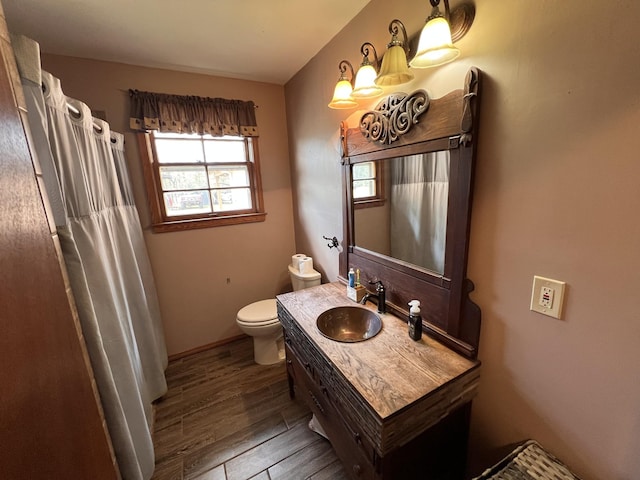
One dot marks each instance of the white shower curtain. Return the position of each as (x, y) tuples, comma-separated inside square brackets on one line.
[(87, 183), (419, 198)]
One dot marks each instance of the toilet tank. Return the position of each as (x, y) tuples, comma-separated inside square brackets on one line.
[(303, 280)]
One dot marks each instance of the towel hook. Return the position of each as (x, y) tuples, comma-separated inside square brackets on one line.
[(334, 242)]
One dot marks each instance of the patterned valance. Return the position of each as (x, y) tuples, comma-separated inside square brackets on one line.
[(191, 114)]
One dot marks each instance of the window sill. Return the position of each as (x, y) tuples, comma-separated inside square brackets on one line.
[(194, 223), (368, 203)]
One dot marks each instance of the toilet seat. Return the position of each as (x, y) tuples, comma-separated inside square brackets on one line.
[(266, 323), (260, 313)]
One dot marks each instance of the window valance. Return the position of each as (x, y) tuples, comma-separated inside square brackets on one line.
[(191, 114)]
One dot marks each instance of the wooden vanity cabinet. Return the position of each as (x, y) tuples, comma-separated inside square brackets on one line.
[(424, 436), (358, 458)]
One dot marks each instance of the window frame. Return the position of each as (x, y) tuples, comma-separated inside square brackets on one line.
[(378, 199), (161, 222)]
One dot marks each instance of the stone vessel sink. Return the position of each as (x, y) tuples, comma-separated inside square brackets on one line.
[(349, 324)]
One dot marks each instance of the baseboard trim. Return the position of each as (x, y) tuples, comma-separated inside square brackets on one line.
[(209, 346)]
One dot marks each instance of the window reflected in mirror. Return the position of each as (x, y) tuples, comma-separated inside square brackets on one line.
[(367, 185), (364, 181)]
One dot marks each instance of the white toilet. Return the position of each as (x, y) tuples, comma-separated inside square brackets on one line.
[(260, 320)]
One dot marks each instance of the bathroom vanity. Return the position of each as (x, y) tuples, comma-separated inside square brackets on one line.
[(393, 408)]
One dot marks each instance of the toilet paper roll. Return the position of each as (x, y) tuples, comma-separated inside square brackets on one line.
[(306, 265), (295, 260)]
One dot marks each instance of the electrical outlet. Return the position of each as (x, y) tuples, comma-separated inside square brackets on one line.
[(547, 296)]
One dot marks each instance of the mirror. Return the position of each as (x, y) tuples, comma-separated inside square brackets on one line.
[(407, 189), (400, 208)]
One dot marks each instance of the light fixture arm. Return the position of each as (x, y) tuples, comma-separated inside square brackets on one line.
[(436, 11), (395, 27), (364, 49), (342, 66)]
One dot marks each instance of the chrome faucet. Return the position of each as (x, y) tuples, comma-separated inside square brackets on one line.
[(379, 295)]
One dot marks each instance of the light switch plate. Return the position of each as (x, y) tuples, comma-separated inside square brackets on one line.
[(547, 296)]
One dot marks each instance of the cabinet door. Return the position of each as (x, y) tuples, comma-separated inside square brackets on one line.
[(51, 424)]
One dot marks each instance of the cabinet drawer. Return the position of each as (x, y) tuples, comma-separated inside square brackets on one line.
[(355, 452), (307, 354)]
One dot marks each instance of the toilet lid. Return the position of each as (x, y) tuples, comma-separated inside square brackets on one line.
[(262, 311)]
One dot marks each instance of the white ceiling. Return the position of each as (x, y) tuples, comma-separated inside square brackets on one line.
[(262, 40)]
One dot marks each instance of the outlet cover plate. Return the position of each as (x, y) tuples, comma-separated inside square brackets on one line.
[(547, 296)]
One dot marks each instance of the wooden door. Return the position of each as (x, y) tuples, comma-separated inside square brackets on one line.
[(51, 423)]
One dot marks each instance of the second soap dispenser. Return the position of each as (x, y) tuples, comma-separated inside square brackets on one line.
[(415, 320)]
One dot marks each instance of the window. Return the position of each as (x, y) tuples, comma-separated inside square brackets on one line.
[(196, 181), (367, 185)]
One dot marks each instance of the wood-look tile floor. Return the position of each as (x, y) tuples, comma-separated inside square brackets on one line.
[(226, 418)]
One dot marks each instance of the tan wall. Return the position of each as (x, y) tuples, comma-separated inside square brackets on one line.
[(556, 195), (191, 268)]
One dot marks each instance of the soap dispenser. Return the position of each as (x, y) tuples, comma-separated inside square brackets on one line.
[(415, 320), (351, 277)]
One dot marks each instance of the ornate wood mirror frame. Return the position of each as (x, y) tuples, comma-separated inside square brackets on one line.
[(413, 124)]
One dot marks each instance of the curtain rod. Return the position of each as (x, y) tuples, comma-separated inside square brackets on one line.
[(77, 114)]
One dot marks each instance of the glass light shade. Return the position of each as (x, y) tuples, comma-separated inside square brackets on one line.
[(365, 82), (394, 69), (435, 46), (342, 95)]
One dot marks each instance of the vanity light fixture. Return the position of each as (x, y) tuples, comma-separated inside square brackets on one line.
[(365, 86), (395, 68), (435, 46), (342, 93)]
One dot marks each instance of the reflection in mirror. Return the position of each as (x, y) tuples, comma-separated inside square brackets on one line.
[(400, 208), (365, 180)]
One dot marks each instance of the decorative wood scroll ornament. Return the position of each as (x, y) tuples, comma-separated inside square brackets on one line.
[(394, 116), (471, 86)]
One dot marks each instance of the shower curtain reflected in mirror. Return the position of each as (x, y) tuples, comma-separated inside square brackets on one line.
[(419, 197), (97, 223)]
